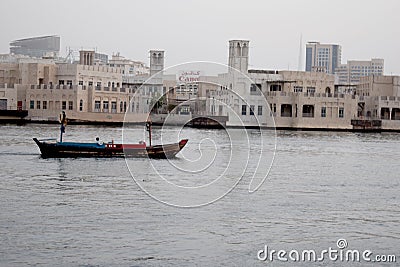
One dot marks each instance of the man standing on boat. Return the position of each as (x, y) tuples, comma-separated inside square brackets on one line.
[(63, 121)]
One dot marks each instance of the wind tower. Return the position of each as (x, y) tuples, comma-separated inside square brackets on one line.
[(239, 55), (156, 61)]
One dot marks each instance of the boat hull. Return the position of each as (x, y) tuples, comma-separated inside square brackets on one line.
[(75, 150)]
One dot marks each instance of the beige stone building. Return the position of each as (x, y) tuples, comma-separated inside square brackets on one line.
[(285, 99), (266, 98), (85, 91), (129, 67), (380, 100), (8, 97), (309, 100)]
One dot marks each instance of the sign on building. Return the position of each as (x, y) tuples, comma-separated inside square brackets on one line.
[(188, 76)]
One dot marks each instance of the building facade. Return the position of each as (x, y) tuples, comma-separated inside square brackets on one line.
[(87, 92), (322, 57), (379, 99), (282, 99), (350, 73), (129, 67), (44, 46)]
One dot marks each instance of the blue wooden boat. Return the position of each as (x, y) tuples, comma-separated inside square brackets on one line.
[(51, 148)]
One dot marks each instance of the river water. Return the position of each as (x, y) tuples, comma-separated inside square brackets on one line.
[(322, 187)]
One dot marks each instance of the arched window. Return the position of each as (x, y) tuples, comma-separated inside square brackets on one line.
[(159, 58), (81, 105), (245, 50), (238, 50), (328, 90)]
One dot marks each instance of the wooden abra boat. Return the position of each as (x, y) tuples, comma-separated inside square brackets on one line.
[(51, 148)]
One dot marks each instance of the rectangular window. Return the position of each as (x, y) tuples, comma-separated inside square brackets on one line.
[(260, 108), (105, 106), (70, 105), (251, 109), (255, 89), (69, 82), (114, 107), (341, 112), (61, 82), (323, 112), (37, 104), (311, 90), (90, 83), (64, 105), (244, 109), (81, 105), (97, 105), (32, 104), (80, 83), (298, 89), (98, 86), (275, 87), (44, 104)]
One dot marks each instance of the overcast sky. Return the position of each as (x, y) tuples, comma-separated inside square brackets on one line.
[(199, 30)]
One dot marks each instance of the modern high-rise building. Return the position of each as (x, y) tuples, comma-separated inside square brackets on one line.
[(44, 46), (323, 57), (350, 73)]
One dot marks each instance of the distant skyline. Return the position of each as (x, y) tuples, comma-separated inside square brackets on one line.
[(200, 30)]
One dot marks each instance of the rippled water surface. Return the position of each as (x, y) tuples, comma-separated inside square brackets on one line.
[(91, 212)]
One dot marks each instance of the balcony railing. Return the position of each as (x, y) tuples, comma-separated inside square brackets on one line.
[(286, 114), (308, 115)]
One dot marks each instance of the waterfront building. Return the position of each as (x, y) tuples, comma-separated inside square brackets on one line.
[(92, 92), (292, 99), (233, 94), (148, 88), (87, 92), (183, 86), (322, 57), (380, 99), (44, 46), (10, 106), (350, 73), (8, 98), (310, 100)]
